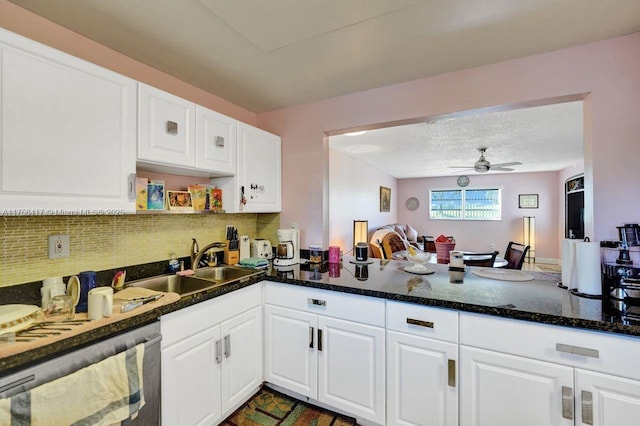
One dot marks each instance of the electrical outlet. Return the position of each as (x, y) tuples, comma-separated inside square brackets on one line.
[(58, 246), (294, 225)]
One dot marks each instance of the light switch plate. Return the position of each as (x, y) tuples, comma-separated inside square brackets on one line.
[(58, 246)]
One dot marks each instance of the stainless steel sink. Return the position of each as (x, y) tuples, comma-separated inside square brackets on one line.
[(204, 279), (224, 273)]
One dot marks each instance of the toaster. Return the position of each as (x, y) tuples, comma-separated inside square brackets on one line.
[(261, 248)]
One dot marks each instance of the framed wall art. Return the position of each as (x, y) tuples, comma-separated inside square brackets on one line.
[(528, 201), (385, 199)]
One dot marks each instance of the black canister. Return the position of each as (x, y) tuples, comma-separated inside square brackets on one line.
[(362, 252)]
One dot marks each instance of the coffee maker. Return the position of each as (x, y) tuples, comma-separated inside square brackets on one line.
[(621, 276), (288, 247)]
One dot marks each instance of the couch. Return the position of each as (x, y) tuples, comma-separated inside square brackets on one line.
[(393, 238)]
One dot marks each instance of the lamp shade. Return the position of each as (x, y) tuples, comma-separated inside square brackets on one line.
[(360, 231)]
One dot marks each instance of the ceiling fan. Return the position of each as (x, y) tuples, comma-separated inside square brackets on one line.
[(483, 166)]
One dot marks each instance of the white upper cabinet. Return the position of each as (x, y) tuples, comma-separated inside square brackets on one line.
[(166, 128), (175, 134), (67, 133), (257, 185), (215, 141)]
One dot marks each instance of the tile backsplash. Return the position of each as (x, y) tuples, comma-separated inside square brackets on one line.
[(104, 242)]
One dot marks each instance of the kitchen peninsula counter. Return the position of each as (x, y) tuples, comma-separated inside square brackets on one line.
[(539, 300)]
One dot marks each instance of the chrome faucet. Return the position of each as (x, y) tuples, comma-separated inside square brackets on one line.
[(197, 254)]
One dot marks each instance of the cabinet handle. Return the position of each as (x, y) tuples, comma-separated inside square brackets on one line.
[(172, 127), (220, 141), (227, 346), (421, 323), (218, 352), (132, 187), (451, 364), (319, 340), (577, 350), (567, 403), (311, 337), (317, 302), (587, 407)]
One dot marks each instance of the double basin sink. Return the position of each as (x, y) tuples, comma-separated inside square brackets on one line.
[(204, 279)]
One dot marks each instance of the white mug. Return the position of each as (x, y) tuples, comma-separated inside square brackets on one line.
[(100, 301), (48, 292), (456, 259), (47, 282)]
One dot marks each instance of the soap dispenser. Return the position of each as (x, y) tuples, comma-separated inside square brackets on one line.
[(174, 263)]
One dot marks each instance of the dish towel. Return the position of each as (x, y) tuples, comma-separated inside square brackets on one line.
[(103, 393), (253, 262)]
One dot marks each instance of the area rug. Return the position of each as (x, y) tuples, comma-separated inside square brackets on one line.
[(271, 408)]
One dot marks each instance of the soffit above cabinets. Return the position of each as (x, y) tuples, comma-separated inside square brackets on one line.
[(265, 55)]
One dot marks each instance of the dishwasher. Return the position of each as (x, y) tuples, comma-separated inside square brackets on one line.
[(68, 363)]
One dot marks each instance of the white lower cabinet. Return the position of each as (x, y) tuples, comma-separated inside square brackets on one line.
[(290, 358), (503, 390), (515, 372), (606, 400), (422, 387), (211, 358), (327, 346)]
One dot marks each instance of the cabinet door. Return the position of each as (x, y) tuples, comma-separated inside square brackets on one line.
[(191, 380), (290, 357), (504, 390), (67, 134), (351, 367), (166, 128), (242, 357), (215, 141), (604, 400), (420, 388), (259, 169)]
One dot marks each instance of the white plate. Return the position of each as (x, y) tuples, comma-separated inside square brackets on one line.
[(361, 262), (73, 289), (419, 271), (16, 317)]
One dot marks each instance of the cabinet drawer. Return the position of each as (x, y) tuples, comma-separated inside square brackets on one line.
[(423, 321), (189, 321), (351, 307), (591, 350)]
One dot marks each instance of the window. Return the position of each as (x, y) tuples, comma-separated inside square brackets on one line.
[(465, 204)]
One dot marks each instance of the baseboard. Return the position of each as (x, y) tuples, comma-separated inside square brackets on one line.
[(545, 260)]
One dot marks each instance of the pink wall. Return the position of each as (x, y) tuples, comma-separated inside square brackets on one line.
[(21, 21), (353, 193), (354, 190), (605, 72), (480, 235)]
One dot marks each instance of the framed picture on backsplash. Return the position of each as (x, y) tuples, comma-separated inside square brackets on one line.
[(179, 200), (155, 196)]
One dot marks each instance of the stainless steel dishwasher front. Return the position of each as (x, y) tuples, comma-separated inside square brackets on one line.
[(55, 368)]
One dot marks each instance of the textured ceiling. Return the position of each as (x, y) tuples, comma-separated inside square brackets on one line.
[(542, 138), (265, 55)]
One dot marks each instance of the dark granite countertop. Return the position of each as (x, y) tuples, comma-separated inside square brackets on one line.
[(539, 300)]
